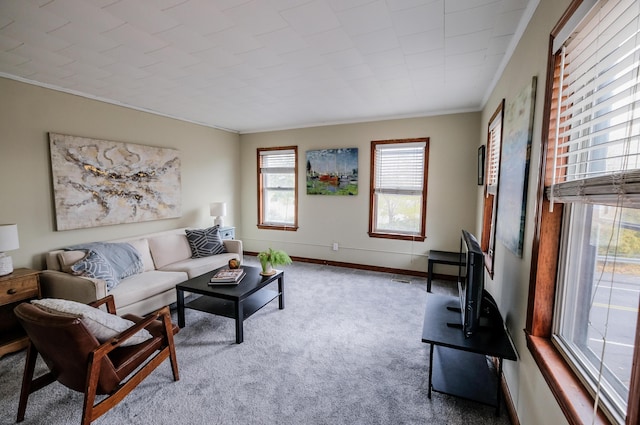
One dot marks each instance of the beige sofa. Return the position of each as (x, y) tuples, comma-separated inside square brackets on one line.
[(166, 258)]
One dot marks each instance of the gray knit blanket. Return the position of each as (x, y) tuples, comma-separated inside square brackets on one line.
[(123, 257)]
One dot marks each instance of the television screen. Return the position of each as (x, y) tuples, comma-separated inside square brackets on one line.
[(470, 283)]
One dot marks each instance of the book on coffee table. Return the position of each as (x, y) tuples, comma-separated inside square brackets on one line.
[(227, 277)]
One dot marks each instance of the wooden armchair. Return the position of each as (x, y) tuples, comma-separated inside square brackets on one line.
[(77, 360)]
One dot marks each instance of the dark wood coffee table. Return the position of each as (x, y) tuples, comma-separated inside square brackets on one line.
[(238, 302)]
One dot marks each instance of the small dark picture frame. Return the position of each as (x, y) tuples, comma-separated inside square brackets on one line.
[(481, 150)]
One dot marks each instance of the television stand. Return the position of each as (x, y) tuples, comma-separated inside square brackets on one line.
[(457, 365)]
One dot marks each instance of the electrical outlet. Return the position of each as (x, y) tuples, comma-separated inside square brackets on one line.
[(335, 246)]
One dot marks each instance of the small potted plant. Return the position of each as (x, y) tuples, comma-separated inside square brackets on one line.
[(271, 258)]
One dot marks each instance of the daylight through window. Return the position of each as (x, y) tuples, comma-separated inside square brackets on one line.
[(277, 182), (399, 188), (595, 173), (490, 205)]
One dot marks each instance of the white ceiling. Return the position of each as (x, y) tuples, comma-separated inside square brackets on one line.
[(255, 65)]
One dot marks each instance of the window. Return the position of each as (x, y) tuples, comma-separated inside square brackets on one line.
[(494, 141), (398, 197), (278, 188), (586, 260), (597, 303)]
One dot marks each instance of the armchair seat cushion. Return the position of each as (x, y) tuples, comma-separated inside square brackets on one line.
[(101, 324)]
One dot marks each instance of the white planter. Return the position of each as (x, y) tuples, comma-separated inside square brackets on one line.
[(268, 270)]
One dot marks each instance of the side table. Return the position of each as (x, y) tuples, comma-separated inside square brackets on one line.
[(227, 233), (442, 257), (16, 287)]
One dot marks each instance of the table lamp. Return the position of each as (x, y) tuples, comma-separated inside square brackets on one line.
[(218, 210), (8, 242)]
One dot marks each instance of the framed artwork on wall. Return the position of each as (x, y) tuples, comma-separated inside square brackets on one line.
[(101, 182), (481, 153), (514, 168), (332, 172)]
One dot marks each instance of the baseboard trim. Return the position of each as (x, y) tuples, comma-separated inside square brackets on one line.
[(405, 272), (508, 400)]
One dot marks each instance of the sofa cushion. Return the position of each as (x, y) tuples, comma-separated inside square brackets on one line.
[(142, 246), (144, 285), (69, 258), (101, 324), (197, 266), (96, 266), (205, 242), (167, 249)]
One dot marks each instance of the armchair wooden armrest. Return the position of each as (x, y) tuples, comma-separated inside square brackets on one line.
[(108, 300), (167, 329)]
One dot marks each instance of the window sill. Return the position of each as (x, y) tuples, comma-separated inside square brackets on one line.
[(399, 236), (278, 227), (574, 400)]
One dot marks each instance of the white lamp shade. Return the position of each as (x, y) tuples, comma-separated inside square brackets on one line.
[(218, 209), (9, 237)]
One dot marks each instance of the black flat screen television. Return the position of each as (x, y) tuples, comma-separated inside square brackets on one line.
[(470, 283)]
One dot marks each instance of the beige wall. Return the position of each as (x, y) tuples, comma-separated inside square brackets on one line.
[(325, 219), (221, 166), (209, 160), (511, 274)]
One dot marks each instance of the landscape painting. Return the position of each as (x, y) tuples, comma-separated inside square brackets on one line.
[(100, 182), (332, 172)]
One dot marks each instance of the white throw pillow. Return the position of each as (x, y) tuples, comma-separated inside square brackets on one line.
[(142, 246), (167, 249), (101, 324), (69, 258)]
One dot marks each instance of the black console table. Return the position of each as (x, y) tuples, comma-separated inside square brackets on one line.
[(442, 257), (457, 365)]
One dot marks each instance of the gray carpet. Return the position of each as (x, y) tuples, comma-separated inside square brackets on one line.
[(346, 350)]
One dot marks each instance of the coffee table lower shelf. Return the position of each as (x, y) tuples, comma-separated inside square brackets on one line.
[(226, 308), (237, 302)]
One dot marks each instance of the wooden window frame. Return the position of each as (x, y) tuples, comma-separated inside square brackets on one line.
[(261, 224), (572, 396), (490, 204), (423, 220)]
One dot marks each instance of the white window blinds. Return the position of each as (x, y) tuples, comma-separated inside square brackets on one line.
[(400, 168), (277, 162), (493, 163), (597, 144)]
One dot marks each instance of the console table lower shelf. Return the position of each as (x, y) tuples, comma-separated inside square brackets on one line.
[(459, 366), (464, 374)]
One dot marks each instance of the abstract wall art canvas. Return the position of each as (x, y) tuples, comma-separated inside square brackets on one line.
[(101, 182), (514, 168), (332, 172)]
